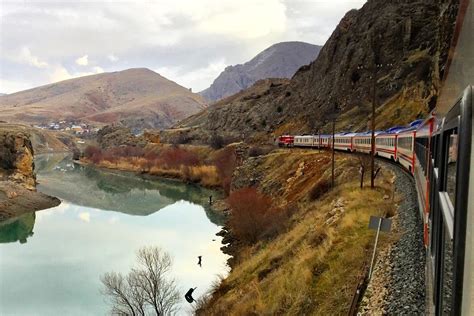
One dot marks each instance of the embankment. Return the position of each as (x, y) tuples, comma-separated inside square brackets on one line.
[(313, 265)]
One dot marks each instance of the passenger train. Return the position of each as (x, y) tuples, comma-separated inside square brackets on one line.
[(437, 152)]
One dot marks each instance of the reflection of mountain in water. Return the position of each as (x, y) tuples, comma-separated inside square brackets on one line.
[(18, 229), (110, 190)]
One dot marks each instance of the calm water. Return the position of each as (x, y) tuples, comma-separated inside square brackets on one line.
[(51, 260)]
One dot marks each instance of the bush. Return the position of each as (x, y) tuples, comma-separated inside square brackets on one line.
[(176, 157), (321, 187), (226, 162), (253, 216), (216, 141), (93, 153), (256, 151)]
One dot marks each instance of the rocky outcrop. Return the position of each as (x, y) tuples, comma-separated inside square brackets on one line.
[(114, 136), (16, 158), (17, 176), (281, 60), (410, 39)]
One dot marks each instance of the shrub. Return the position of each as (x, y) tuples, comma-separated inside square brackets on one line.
[(256, 151), (253, 215), (226, 162), (90, 151), (93, 153), (216, 141), (176, 157), (321, 187)]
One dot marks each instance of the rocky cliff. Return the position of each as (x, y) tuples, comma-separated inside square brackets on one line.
[(17, 176), (409, 39), (281, 60), (16, 158)]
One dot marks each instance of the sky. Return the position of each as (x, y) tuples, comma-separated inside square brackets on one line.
[(187, 41)]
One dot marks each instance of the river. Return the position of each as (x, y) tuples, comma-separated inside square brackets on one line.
[(51, 260)]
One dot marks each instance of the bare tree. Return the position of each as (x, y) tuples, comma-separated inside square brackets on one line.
[(146, 289), (365, 161)]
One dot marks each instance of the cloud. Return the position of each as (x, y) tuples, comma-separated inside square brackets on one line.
[(196, 79), (186, 40), (112, 58), (82, 61), (85, 217), (60, 73), (27, 57)]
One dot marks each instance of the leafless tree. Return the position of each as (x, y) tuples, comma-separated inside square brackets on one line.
[(365, 162), (146, 289)]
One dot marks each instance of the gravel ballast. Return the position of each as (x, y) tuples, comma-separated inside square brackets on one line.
[(398, 283)]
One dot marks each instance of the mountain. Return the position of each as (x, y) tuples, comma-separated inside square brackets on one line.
[(281, 60), (411, 39), (136, 97)]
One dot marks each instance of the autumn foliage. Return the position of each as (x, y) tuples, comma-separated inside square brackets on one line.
[(253, 215), (175, 162), (226, 162)]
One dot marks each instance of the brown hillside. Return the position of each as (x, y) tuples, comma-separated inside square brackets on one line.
[(137, 97)]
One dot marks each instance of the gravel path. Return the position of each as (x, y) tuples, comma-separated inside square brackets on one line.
[(398, 283)]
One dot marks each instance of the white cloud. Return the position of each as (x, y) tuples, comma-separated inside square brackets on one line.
[(250, 19), (97, 70), (112, 58), (83, 61), (197, 79), (186, 40), (27, 57), (11, 86), (85, 217), (60, 73)]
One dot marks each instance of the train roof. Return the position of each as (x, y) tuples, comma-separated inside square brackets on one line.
[(368, 133), (345, 134), (416, 123)]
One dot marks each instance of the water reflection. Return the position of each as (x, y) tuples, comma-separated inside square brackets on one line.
[(117, 191), (17, 229), (96, 230)]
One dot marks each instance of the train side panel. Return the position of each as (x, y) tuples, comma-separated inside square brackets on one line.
[(405, 150)]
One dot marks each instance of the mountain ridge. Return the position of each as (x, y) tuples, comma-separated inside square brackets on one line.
[(411, 39), (136, 97), (281, 60)]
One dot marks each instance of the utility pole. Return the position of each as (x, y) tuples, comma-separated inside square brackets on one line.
[(374, 69), (372, 150), (334, 116), (333, 151)]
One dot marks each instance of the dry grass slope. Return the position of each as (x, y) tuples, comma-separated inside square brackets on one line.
[(311, 269)]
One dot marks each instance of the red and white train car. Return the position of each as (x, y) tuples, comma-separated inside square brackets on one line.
[(405, 152), (306, 141), (386, 143), (422, 167), (363, 142), (343, 141)]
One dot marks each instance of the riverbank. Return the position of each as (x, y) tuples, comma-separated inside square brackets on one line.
[(316, 262), (18, 193), (16, 200)]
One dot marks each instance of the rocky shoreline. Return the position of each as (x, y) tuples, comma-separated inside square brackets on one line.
[(16, 200), (18, 193)]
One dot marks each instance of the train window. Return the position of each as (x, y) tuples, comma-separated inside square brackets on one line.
[(451, 168)]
